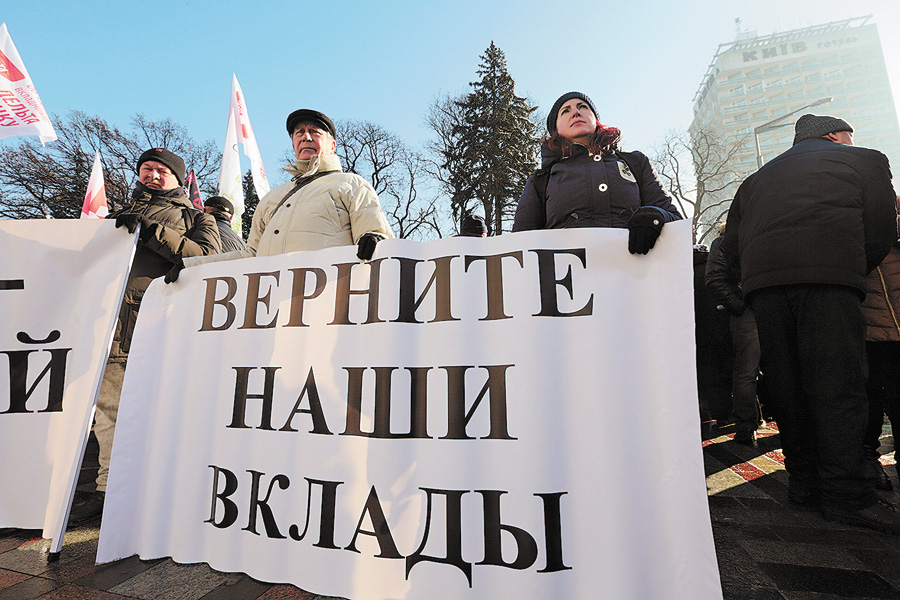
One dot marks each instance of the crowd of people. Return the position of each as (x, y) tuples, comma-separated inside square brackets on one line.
[(808, 237)]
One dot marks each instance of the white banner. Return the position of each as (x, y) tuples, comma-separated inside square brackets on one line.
[(61, 283), (509, 417), (21, 110)]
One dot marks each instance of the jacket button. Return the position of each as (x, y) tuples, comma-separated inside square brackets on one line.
[(598, 157), (275, 232), (603, 187)]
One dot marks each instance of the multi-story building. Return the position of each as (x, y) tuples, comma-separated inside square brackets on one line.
[(757, 86)]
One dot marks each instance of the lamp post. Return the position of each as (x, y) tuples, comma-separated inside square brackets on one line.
[(776, 123)]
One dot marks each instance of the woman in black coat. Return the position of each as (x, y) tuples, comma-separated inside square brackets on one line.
[(587, 181)]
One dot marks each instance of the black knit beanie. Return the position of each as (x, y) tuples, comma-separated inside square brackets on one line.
[(554, 110), (170, 159), (812, 126), (220, 202), (473, 226)]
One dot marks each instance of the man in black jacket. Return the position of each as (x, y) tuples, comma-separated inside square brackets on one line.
[(807, 228), (170, 230), (723, 278), (223, 210)]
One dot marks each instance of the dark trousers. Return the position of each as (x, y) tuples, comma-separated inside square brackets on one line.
[(745, 341), (812, 340), (883, 389)]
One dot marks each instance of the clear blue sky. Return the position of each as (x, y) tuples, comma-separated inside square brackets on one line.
[(640, 61)]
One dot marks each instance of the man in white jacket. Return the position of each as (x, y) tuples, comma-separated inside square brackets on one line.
[(320, 207)]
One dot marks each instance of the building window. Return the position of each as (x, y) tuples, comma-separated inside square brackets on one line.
[(754, 73)]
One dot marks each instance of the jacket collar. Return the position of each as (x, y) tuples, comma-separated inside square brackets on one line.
[(550, 157), (319, 163), (175, 196)]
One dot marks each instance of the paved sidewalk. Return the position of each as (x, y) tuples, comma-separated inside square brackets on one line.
[(767, 548)]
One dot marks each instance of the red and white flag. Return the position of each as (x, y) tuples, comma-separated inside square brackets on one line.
[(21, 111), (95, 199), (240, 130)]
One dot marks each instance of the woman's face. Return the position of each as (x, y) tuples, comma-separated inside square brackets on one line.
[(575, 121)]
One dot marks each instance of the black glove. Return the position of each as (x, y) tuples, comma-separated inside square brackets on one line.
[(174, 272), (643, 229), (148, 229), (128, 220), (366, 245)]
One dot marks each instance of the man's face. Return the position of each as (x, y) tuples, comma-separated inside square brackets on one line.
[(841, 137), (157, 176), (309, 139)]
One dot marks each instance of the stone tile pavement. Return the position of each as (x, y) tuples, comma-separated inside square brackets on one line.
[(767, 548)]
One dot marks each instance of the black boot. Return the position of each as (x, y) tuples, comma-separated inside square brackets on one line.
[(876, 470), (88, 510), (881, 515)]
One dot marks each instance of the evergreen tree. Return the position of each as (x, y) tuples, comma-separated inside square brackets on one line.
[(251, 200), (495, 141)]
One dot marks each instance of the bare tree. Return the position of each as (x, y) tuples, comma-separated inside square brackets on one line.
[(396, 172), (701, 170), (51, 181), (448, 166)]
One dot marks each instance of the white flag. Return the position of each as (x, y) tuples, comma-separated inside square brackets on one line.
[(21, 111), (95, 206), (240, 130)]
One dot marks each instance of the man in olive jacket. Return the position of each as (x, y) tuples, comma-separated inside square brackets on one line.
[(170, 229), (807, 228)]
